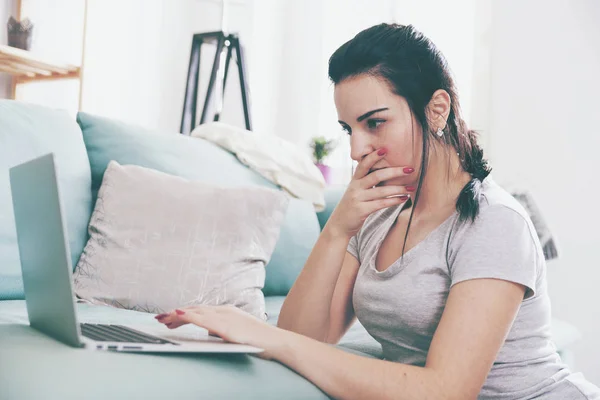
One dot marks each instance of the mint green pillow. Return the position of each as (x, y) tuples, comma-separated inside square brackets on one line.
[(198, 159), (28, 131), (333, 195)]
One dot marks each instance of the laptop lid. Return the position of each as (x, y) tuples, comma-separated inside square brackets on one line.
[(44, 249)]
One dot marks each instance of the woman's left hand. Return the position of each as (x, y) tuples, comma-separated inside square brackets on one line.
[(228, 322)]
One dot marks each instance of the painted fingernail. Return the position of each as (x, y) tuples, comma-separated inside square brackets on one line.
[(410, 188), (408, 170), (403, 198), (159, 316), (382, 151), (179, 312)]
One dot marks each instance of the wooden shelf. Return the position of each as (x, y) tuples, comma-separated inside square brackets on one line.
[(27, 67)]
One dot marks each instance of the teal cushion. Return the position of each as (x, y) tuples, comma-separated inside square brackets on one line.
[(333, 195), (190, 158), (35, 366), (28, 131), (298, 236), (62, 372), (198, 159)]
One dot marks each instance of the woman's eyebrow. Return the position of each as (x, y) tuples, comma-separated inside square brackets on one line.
[(368, 114), (365, 115)]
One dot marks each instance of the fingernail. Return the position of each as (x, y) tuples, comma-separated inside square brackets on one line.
[(410, 188), (159, 316), (404, 198), (382, 151), (408, 170), (179, 312)]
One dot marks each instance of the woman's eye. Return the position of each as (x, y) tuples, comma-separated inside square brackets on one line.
[(374, 123)]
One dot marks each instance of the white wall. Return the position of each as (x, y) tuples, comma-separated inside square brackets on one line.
[(137, 73), (137, 54), (545, 136), (6, 10), (57, 35)]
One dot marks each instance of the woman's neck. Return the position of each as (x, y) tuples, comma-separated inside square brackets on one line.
[(443, 182)]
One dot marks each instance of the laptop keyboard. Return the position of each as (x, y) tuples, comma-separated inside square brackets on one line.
[(119, 333)]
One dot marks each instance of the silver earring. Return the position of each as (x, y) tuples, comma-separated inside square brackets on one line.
[(440, 132)]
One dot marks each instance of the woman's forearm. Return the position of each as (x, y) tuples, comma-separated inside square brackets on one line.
[(343, 375), (306, 309)]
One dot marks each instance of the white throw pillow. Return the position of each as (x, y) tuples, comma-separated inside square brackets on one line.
[(158, 242)]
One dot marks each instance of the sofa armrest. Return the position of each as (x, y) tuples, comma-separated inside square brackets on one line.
[(333, 194)]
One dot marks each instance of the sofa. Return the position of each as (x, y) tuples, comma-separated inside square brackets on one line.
[(34, 366)]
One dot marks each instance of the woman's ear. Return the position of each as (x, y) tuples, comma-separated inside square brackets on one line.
[(438, 109)]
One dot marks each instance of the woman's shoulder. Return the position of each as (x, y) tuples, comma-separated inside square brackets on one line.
[(500, 243), (495, 197), (500, 214)]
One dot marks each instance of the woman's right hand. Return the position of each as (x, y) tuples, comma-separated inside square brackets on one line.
[(363, 197)]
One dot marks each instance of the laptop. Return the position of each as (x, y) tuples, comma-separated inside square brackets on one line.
[(47, 276)]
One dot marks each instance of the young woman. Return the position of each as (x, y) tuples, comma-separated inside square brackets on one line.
[(439, 264)]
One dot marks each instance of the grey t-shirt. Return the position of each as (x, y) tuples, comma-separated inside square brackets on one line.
[(402, 305)]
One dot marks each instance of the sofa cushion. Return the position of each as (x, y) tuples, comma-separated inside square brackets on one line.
[(198, 159), (333, 195), (28, 131), (297, 238), (62, 372), (159, 242)]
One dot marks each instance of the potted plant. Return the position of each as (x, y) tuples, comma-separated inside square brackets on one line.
[(19, 33), (321, 148)]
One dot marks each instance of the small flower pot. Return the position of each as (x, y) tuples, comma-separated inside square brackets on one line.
[(19, 33), (326, 171), (20, 40)]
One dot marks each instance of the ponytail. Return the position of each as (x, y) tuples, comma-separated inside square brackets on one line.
[(473, 162)]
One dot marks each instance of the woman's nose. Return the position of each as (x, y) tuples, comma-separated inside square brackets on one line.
[(360, 147)]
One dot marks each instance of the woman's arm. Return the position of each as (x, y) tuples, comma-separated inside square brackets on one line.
[(319, 304), (341, 316), (473, 327), (308, 306)]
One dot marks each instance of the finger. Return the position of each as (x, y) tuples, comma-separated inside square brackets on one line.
[(175, 324), (375, 205), (212, 322), (383, 192), (169, 317), (363, 167), (384, 174), (164, 318), (192, 317)]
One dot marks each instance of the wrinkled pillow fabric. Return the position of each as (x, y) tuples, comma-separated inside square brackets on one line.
[(159, 242)]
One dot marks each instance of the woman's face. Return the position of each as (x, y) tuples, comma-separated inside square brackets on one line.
[(375, 117)]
